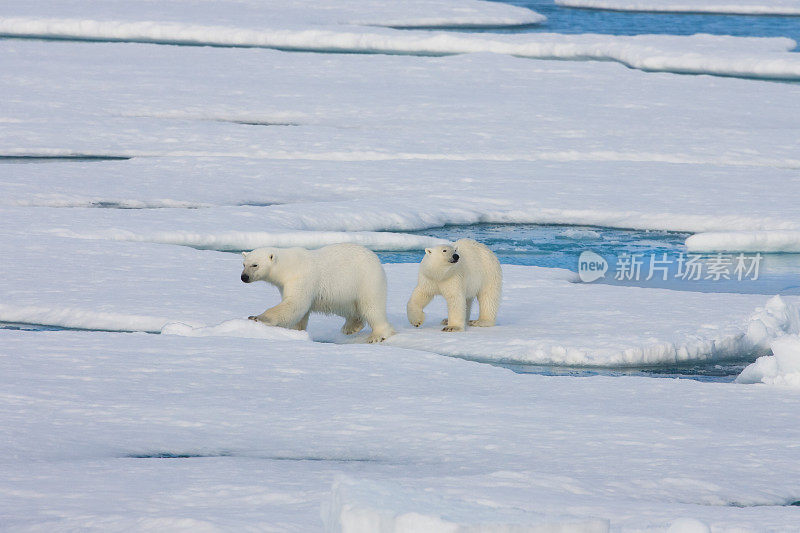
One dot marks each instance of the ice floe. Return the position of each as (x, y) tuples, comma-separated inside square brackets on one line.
[(240, 241), (111, 432), (764, 58), (298, 13), (745, 241), (781, 368), (545, 318)]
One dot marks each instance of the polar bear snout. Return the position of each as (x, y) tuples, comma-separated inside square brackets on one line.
[(454, 259), (245, 277)]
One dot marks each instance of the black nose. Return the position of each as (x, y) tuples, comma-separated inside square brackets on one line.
[(455, 258), (245, 278)]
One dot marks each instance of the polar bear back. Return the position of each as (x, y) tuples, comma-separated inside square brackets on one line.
[(480, 267), (344, 272)]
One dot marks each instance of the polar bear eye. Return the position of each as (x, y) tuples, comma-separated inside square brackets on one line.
[(255, 266)]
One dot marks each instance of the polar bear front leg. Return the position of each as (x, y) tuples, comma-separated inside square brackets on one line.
[(420, 298), (289, 313), (456, 309), (468, 314)]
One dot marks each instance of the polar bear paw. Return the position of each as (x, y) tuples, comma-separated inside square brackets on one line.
[(481, 323), (452, 328), (416, 319), (376, 337), (262, 319)]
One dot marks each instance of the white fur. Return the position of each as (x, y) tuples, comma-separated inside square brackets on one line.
[(342, 279), (476, 274)]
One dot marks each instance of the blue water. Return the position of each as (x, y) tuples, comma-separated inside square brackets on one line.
[(570, 20), (559, 246)]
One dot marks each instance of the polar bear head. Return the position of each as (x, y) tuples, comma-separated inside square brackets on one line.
[(440, 262), (258, 264)]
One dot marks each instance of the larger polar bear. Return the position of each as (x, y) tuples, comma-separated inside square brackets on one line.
[(342, 279), (461, 272)]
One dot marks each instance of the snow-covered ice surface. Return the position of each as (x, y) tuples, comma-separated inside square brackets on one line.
[(121, 431), (126, 167), (724, 7), (694, 155)]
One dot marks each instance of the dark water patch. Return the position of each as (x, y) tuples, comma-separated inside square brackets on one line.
[(705, 372), (35, 326), (257, 204), (175, 455), (225, 453), (21, 326), (258, 123), (102, 204), (57, 158), (739, 505), (508, 28)]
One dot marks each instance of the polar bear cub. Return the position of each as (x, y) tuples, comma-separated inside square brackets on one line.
[(342, 279), (461, 272)]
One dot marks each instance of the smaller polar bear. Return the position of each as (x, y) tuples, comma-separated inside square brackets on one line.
[(460, 273), (342, 279)]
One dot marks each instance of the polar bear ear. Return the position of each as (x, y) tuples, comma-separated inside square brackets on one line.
[(244, 254), (428, 250)]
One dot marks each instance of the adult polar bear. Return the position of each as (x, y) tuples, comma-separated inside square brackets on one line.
[(341, 279), (460, 273)]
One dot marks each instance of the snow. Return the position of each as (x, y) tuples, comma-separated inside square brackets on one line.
[(759, 58), (298, 13), (684, 134), (781, 368), (359, 506), (725, 7), (745, 241), (688, 525), (235, 328), (239, 240), (184, 416)]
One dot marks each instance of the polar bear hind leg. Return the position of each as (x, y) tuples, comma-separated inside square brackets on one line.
[(303, 324), (489, 302), (373, 312), (353, 324)]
